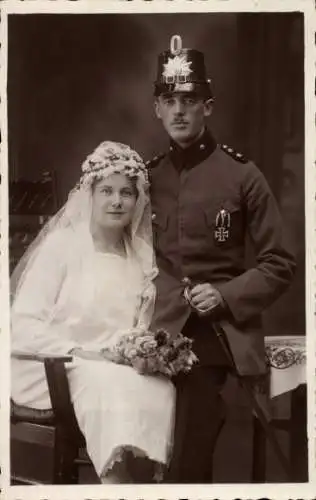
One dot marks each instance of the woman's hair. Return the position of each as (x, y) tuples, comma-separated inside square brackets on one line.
[(113, 157)]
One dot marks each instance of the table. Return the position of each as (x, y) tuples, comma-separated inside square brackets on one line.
[(286, 356)]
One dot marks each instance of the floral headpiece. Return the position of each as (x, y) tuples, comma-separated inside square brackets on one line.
[(113, 157)]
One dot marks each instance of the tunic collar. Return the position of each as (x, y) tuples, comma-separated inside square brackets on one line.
[(194, 154)]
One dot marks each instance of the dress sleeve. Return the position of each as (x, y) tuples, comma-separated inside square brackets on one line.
[(146, 309), (31, 318)]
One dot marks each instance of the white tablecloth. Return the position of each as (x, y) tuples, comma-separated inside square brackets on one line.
[(287, 358)]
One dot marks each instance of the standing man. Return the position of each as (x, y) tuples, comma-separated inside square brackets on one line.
[(206, 198)]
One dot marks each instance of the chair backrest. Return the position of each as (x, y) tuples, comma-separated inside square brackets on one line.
[(31, 203), (35, 198)]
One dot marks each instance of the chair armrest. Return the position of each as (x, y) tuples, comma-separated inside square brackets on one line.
[(57, 381), (58, 386), (41, 357)]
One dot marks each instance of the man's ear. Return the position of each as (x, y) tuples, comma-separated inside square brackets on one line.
[(208, 107), (157, 108)]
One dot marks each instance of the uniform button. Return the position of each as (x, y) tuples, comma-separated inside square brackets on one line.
[(153, 217), (230, 150), (202, 146)]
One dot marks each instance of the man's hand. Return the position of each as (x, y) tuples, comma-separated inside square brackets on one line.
[(205, 298)]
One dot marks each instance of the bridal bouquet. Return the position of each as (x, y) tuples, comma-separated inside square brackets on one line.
[(153, 352)]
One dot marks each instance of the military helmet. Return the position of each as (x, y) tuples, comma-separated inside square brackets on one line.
[(182, 70)]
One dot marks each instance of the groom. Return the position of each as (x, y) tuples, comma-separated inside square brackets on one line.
[(205, 199)]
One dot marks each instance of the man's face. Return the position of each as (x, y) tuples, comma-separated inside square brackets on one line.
[(183, 115)]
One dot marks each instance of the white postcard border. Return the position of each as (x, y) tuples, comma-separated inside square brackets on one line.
[(225, 491)]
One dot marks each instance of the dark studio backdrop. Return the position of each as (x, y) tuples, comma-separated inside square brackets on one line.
[(76, 80)]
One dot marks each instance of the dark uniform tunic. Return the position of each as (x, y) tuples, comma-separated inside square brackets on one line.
[(191, 189)]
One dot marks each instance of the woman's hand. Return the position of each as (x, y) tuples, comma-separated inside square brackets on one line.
[(83, 354)]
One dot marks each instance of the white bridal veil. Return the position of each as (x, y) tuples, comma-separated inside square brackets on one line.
[(67, 238)]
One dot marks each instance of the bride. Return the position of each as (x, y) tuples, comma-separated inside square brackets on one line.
[(86, 280)]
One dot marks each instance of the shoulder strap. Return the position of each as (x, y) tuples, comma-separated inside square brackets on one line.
[(233, 153), (154, 162)]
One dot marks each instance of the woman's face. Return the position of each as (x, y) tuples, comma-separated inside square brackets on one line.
[(113, 201)]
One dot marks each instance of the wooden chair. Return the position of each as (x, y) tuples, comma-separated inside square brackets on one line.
[(56, 428), (31, 203)]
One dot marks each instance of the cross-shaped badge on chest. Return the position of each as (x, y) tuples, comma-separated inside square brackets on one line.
[(221, 234), (222, 221)]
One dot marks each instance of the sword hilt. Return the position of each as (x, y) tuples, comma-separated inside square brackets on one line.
[(187, 283)]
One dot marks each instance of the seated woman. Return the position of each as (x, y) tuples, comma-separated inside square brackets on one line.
[(86, 280)]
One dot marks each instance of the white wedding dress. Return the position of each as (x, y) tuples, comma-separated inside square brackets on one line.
[(116, 407)]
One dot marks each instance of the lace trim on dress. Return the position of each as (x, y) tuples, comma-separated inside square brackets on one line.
[(118, 456)]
